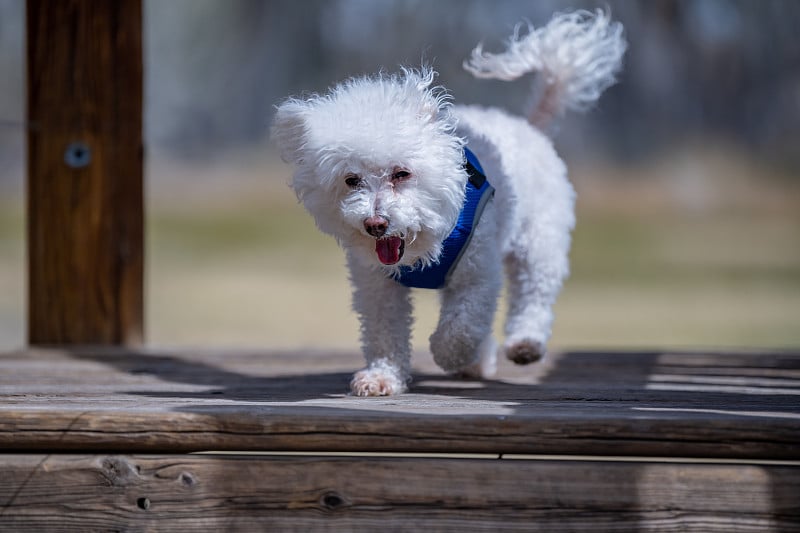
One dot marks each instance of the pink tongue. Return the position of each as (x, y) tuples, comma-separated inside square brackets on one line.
[(388, 250)]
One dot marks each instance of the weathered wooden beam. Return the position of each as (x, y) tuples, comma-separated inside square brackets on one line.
[(269, 493), (85, 157), (105, 400)]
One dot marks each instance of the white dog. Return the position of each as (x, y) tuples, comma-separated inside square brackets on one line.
[(421, 193)]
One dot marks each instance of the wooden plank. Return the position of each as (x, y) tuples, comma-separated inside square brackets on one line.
[(213, 493), (85, 151), (578, 403), (340, 429)]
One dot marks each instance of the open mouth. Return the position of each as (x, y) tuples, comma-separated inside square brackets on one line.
[(390, 249)]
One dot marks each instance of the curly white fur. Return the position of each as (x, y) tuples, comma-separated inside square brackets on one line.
[(578, 55), (356, 128), (390, 148)]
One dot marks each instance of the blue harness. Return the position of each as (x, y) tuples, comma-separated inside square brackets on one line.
[(435, 276)]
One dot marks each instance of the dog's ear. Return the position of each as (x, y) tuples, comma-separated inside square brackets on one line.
[(289, 129)]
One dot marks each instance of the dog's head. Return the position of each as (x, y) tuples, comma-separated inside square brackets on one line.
[(378, 165)]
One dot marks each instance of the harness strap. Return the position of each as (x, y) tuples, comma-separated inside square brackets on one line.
[(478, 192)]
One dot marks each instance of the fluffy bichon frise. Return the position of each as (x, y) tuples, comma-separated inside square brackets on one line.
[(423, 193)]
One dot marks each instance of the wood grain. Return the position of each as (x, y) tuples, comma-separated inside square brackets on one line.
[(103, 400), (85, 216), (267, 493)]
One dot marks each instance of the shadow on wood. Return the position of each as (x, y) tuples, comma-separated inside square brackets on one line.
[(736, 406)]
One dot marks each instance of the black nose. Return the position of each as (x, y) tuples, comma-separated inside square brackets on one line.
[(376, 226)]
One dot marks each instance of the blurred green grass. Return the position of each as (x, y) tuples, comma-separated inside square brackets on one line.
[(248, 268), (711, 280), (12, 280)]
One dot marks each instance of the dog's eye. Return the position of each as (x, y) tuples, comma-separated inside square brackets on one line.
[(352, 181), (401, 175)]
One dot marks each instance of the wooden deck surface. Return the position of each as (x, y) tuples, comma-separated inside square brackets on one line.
[(98, 439), (652, 404)]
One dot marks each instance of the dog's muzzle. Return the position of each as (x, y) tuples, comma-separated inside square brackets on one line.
[(376, 226)]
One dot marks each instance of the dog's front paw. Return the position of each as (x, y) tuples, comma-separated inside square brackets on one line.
[(524, 351), (453, 352), (486, 366), (377, 382)]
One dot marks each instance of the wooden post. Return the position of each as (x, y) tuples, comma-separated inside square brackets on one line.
[(85, 152)]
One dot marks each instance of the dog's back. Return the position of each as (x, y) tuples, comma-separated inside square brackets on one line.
[(576, 57)]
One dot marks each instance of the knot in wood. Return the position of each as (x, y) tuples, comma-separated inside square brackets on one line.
[(117, 471), (332, 500)]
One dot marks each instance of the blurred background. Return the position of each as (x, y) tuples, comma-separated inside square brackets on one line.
[(687, 171)]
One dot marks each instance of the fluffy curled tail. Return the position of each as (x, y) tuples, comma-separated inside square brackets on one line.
[(577, 56)]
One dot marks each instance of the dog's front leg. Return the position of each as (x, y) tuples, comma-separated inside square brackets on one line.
[(384, 310), (463, 342)]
